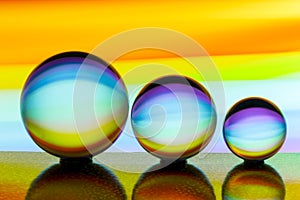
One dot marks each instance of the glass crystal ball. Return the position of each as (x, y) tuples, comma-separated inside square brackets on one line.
[(254, 129), (173, 117), (74, 105)]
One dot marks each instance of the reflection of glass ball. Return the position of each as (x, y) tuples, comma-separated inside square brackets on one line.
[(74, 105), (173, 117), (254, 129), (64, 182), (262, 182), (172, 182)]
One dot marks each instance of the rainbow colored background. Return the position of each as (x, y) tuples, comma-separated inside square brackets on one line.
[(254, 44)]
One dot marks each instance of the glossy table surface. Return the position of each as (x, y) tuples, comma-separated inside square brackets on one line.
[(28, 175)]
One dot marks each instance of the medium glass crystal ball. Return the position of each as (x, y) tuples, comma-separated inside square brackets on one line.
[(173, 117), (74, 105)]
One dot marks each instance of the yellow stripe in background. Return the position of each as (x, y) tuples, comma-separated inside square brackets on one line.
[(234, 67), (248, 40)]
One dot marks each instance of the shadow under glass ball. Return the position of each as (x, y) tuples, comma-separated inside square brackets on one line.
[(74, 104), (173, 117), (176, 181), (74, 181), (254, 129), (253, 182)]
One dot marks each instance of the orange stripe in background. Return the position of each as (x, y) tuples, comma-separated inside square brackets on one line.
[(32, 31)]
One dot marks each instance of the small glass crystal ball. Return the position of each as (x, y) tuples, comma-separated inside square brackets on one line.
[(254, 129)]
